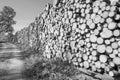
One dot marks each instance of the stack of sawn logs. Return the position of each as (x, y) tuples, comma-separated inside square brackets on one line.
[(85, 32)]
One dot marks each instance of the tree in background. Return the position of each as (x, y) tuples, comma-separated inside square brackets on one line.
[(6, 23)]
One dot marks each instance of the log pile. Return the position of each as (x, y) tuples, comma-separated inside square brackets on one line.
[(85, 32), (32, 34)]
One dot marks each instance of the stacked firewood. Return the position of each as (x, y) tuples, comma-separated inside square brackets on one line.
[(85, 32), (32, 34)]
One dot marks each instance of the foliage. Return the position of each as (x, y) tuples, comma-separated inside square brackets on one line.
[(6, 24), (10, 38), (29, 52), (31, 60), (6, 19), (3, 72), (55, 69)]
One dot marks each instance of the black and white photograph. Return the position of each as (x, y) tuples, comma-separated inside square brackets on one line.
[(59, 39)]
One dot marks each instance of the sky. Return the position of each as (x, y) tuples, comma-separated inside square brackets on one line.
[(26, 10)]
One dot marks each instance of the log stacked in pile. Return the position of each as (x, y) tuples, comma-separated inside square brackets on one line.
[(32, 34), (85, 32)]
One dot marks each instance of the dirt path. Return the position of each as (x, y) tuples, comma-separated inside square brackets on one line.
[(13, 64)]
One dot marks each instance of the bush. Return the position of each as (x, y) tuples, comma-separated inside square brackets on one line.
[(3, 72), (51, 70), (35, 69)]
